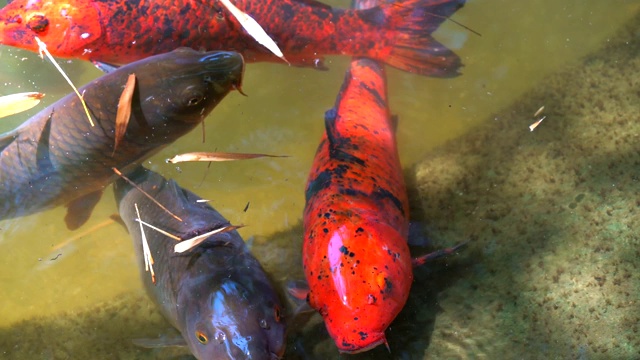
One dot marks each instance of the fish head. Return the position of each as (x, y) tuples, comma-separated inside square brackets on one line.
[(361, 284), (67, 27), (237, 321), (180, 88)]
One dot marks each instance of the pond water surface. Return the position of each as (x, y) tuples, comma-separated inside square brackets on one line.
[(522, 42)]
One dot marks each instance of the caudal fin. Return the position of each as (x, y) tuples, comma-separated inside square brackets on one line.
[(414, 49)]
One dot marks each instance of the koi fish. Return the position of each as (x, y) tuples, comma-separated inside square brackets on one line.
[(57, 157), (355, 253), (120, 31), (217, 295)]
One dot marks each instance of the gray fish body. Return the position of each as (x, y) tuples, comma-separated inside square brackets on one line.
[(217, 294), (57, 156)]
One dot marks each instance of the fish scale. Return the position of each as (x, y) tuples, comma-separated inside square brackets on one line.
[(216, 294), (57, 157)]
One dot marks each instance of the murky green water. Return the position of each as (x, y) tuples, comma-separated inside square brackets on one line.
[(521, 43)]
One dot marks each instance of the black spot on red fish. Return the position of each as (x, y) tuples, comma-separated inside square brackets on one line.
[(363, 335), (347, 345), (16, 19), (185, 8), (374, 16), (287, 11), (343, 249), (342, 155), (382, 194), (380, 101), (321, 182), (388, 286), (185, 34), (340, 170)]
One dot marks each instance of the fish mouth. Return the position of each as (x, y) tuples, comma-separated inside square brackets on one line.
[(376, 339), (230, 62)]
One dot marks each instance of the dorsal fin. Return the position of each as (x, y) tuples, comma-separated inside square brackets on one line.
[(330, 117), (6, 139)]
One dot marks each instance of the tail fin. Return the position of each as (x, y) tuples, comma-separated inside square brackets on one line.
[(414, 49)]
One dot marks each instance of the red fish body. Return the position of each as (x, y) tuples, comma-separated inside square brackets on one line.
[(355, 254), (121, 31)]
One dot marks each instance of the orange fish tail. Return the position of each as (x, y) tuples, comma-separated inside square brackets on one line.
[(413, 49)]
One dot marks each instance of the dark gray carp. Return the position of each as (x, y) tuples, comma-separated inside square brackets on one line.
[(216, 294), (57, 157)]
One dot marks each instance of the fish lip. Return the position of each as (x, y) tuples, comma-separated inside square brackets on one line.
[(374, 344), (230, 62)]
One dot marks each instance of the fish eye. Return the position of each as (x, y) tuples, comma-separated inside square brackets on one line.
[(264, 324), (194, 100), (38, 23), (202, 338), (193, 97)]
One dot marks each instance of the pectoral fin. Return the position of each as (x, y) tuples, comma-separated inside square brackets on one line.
[(79, 210), (105, 67), (298, 291), (338, 144)]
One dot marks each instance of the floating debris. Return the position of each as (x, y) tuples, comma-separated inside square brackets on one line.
[(42, 47), (17, 103), (124, 110), (535, 124), (188, 244), (146, 253), (145, 194), (216, 156), (163, 232)]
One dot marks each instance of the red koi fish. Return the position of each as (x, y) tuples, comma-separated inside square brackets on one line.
[(121, 31), (355, 254)]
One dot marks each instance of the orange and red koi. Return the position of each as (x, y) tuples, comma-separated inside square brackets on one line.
[(121, 31), (355, 253)]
